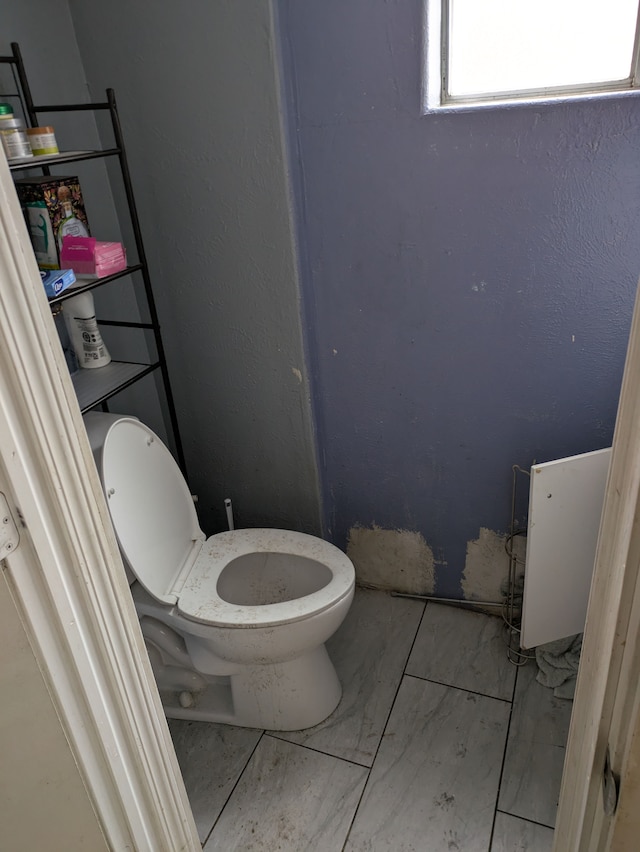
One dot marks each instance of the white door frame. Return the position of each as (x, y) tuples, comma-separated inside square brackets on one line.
[(66, 574), (606, 707)]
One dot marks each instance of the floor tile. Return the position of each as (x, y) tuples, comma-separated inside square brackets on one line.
[(517, 835), (535, 750), (369, 652), (289, 799), (434, 782), (211, 758), (462, 648)]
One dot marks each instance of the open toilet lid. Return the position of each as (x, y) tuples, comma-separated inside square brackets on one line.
[(150, 505)]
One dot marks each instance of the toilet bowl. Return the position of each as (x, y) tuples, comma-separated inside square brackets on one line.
[(234, 624)]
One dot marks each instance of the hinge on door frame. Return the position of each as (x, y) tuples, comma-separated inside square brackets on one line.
[(610, 787), (9, 535)]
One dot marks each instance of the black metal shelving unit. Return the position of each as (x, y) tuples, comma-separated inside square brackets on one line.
[(94, 387)]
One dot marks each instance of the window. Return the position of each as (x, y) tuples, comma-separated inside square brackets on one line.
[(481, 52)]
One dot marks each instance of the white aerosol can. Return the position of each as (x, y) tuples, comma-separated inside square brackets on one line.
[(80, 317)]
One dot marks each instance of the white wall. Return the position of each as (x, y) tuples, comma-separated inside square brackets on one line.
[(43, 800), (199, 100)]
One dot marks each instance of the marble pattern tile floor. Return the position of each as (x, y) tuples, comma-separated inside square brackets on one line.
[(438, 745)]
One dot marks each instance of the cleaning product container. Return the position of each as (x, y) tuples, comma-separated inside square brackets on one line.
[(80, 318)]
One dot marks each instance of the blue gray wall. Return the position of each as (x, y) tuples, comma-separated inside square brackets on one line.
[(468, 279)]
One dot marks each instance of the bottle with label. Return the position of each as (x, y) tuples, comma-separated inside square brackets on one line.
[(13, 134), (80, 318), (70, 225)]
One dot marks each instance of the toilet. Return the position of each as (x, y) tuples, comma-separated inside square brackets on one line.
[(235, 625)]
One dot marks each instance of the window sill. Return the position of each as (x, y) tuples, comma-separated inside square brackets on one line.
[(546, 99)]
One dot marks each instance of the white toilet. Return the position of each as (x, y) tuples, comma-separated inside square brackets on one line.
[(235, 624)]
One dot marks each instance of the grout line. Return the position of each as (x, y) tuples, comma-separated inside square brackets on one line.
[(525, 819), (504, 758), (217, 819), (393, 704), (461, 688), (406, 662), (275, 735)]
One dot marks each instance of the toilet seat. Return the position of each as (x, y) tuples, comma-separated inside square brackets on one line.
[(160, 538), (199, 598)]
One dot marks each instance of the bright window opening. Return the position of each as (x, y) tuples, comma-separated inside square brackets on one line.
[(494, 50)]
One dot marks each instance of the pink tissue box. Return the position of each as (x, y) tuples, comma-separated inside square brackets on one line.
[(90, 258)]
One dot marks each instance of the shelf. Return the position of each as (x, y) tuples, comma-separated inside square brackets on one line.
[(95, 386), (22, 163), (84, 284)]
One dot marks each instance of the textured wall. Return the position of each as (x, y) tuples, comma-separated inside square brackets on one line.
[(198, 93), (468, 278)]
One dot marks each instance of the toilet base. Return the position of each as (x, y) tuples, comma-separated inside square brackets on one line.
[(286, 696)]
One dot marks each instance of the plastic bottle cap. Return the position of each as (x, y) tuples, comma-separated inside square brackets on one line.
[(32, 131), (6, 111)]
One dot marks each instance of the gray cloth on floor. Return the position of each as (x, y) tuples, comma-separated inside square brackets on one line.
[(558, 665)]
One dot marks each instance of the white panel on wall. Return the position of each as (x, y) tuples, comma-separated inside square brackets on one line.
[(565, 504)]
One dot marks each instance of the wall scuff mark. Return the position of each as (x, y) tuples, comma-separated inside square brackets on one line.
[(397, 560), (486, 567)]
